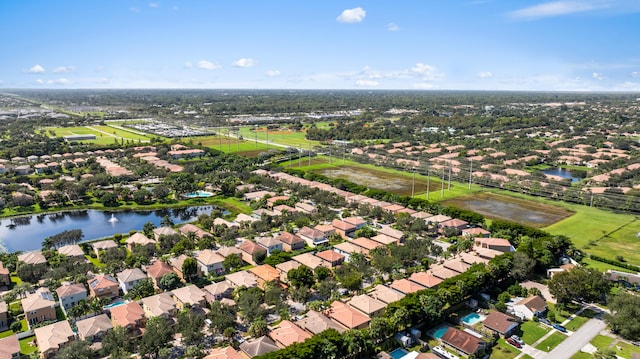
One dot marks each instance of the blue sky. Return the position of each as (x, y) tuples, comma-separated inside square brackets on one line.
[(563, 45)]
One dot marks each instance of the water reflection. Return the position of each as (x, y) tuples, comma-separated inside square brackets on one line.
[(22, 234)]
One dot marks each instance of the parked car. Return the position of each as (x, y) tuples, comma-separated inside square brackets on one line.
[(559, 327), (514, 343), (517, 339)]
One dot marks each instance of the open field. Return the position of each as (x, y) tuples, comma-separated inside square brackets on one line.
[(104, 134), (495, 206), (231, 145), (288, 138), (551, 342), (532, 331)]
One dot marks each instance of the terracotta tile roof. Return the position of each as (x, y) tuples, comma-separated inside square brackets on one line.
[(311, 233), (102, 281), (9, 347), (456, 265), (366, 243), (226, 251), (42, 298), (355, 221), (257, 347), (406, 286), (242, 278), (366, 304), (348, 247), (289, 238), (266, 273), (166, 231), (130, 275), (209, 257), (33, 258), (250, 247), (71, 250), (454, 222), (139, 239), (288, 333), (425, 279), (126, 315), (223, 353), (310, 260), (216, 289), (285, 267), (438, 218), (158, 269), (190, 294), (347, 316), (343, 225), (104, 245), (330, 256), (441, 272), (535, 303), (268, 242), (159, 305), (384, 239)]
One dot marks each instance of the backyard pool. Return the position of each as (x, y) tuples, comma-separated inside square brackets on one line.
[(115, 304), (471, 318), (439, 332), (398, 353)]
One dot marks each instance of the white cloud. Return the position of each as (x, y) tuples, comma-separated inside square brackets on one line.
[(485, 74), (352, 16), (635, 74), (60, 81), (392, 27), (39, 81), (207, 65), (64, 69), (273, 73), (367, 83), (153, 5), (597, 76), (244, 63), (188, 65), (558, 8), (36, 69)]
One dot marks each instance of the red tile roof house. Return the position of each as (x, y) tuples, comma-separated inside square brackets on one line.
[(462, 342), (344, 229), (242, 278), (4, 316), (366, 244), (258, 347), (406, 286), (103, 286), (330, 256), (139, 239), (284, 269), (5, 277), (270, 244), (385, 294), (250, 250), (39, 307), (425, 279), (191, 228), (70, 295), (313, 237), (290, 242), (163, 231), (73, 251), (32, 258), (10, 347), (94, 328), (129, 278), (501, 324), (368, 305), (392, 232), (355, 221), (347, 249), (53, 337), (347, 317), (476, 232), (219, 290), (176, 264), (455, 223), (288, 333), (156, 270), (130, 316), (266, 274), (210, 262)]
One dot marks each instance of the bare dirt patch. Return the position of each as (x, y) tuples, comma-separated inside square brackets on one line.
[(495, 206)]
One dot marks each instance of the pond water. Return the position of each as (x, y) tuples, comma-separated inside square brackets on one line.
[(562, 172), (27, 233)]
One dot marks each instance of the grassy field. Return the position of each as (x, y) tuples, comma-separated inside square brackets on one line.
[(104, 134), (601, 341), (231, 145), (551, 342), (504, 350), (26, 345), (288, 138)]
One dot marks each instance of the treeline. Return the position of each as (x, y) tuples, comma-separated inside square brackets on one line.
[(64, 238), (472, 217), (616, 263)]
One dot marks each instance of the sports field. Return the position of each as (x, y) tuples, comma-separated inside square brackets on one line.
[(104, 134), (284, 137)]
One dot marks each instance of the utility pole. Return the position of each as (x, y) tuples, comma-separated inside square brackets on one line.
[(470, 172)]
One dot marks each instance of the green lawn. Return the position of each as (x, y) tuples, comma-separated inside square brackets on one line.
[(582, 355), (624, 350), (576, 323), (6, 333), (602, 267), (532, 331), (26, 346), (95, 261), (15, 280), (551, 342), (504, 350), (601, 341), (284, 137)]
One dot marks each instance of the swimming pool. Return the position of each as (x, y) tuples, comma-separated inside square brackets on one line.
[(439, 332), (115, 304), (471, 318), (198, 194), (398, 353)]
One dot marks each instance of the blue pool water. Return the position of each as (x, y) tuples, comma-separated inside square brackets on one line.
[(198, 194), (398, 353), (438, 333), (115, 304), (471, 318)]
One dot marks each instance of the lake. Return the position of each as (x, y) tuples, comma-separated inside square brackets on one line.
[(27, 233), (562, 172)]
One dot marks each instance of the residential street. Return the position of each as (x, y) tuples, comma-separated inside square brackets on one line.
[(577, 340)]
